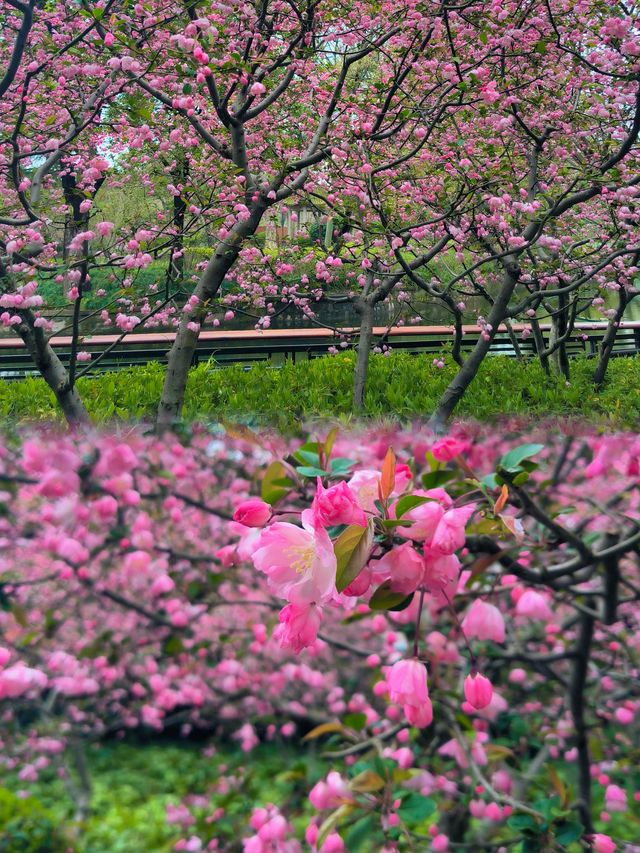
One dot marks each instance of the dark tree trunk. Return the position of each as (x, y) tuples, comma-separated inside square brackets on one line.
[(365, 309), (52, 369), (183, 350), (606, 346), (467, 373)]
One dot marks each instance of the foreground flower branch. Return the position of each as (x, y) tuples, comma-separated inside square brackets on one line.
[(455, 621)]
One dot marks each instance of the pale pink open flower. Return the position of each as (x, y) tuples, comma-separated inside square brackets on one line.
[(402, 566), (299, 562), (365, 484), (484, 622), (425, 518), (441, 572), (450, 532), (19, 679)]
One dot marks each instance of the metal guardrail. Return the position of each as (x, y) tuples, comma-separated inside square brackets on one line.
[(278, 345)]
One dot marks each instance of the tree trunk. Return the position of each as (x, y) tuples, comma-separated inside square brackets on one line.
[(52, 369), (365, 309), (467, 373), (176, 262), (184, 347), (540, 345), (606, 347), (557, 344)]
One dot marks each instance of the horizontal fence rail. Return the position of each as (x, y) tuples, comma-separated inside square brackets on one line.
[(275, 346)]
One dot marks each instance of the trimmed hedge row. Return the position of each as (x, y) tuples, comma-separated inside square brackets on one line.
[(399, 387)]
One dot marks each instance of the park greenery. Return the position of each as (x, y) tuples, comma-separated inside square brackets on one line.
[(401, 388)]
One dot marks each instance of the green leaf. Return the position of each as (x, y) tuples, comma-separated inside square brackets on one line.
[(408, 502), (490, 481), (521, 822), (340, 465), (275, 483), (352, 549), (358, 837), (415, 808), (433, 479), (355, 721), (513, 458), (173, 645), (308, 457), (309, 471), (384, 599)]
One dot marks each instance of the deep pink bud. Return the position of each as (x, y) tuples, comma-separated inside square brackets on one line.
[(477, 690), (603, 843), (252, 513)]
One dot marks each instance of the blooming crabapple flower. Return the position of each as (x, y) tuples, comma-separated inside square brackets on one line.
[(449, 535), (534, 605), (615, 798), (603, 843), (252, 513), (454, 750), (441, 573), (257, 89), (298, 627), (484, 622), (299, 562), (19, 679), (425, 518), (5, 654), (403, 566), (446, 449), (477, 690), (337, 505), (330, 793), (364, 484), (247, 737), (407, 683)]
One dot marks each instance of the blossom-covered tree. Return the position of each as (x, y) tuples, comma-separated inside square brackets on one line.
[(486, 152)]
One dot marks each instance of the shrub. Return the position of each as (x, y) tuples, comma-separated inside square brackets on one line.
[(26, 827), (402, 386)]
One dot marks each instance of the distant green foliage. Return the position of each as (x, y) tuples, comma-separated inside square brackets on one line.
[(133, 784), (26, 827), (401, 387)]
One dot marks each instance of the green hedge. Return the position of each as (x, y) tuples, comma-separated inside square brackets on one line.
[(399, 387), (26, 827)]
